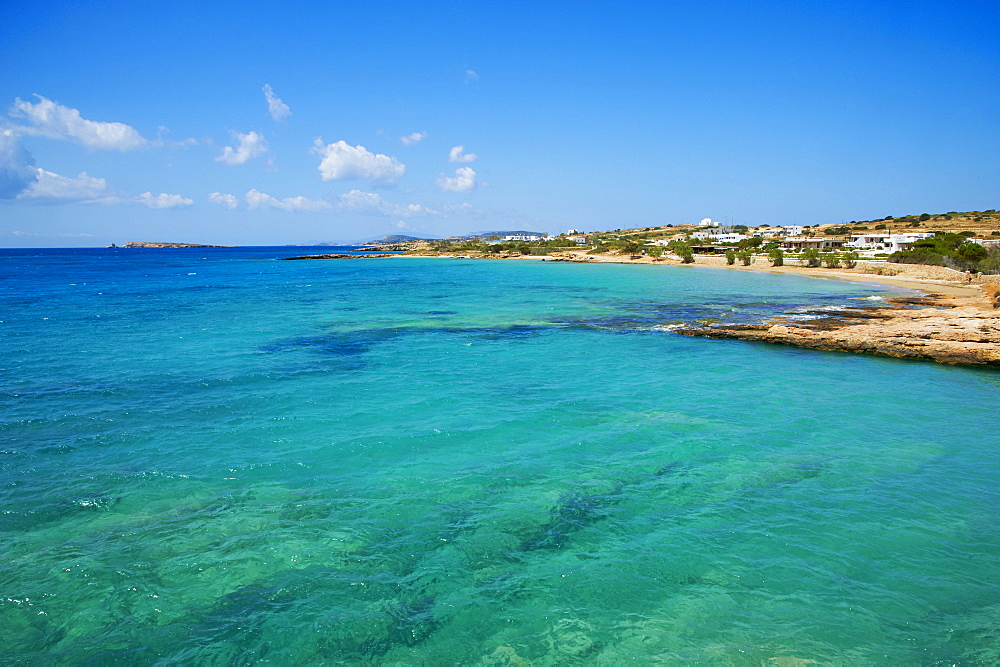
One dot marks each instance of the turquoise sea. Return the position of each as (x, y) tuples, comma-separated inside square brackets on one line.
[(211, 457)]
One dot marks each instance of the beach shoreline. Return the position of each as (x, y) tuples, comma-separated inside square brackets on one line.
[(956, 321), (909, 276)]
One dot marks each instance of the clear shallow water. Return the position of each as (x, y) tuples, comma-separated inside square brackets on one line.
[(208, 456)]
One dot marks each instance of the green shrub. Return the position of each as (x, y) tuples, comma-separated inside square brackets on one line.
[(921, 255), (730, 257), (777, 256), (971, 252), (683, 250)]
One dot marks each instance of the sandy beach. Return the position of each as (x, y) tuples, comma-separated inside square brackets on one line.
[(931, 280)]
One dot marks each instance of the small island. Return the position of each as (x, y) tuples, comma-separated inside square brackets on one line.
[(160, 244)]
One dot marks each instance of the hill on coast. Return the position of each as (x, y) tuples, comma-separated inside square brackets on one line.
[(981, 223)]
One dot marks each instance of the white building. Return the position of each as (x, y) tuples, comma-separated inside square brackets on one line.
[(716, 237), (798, 243), (769, 232), (522, 237), (987, 243), (663, 243), (885, 242), (728, 238)]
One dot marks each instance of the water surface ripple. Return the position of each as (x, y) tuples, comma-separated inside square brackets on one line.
[(207, 456)]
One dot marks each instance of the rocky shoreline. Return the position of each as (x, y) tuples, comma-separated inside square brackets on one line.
[(936, 328)]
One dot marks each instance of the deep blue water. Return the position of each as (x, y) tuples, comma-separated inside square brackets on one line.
[(211, 457)]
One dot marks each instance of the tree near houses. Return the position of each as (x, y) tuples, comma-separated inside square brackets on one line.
[(811, 257)]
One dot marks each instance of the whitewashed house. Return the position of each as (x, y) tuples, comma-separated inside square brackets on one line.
[(719, 237), (769, 232), (798, 243), (987, 243), (522, 237), (885, 242)]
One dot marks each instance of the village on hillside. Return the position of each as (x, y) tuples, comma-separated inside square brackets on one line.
[(968, 241)]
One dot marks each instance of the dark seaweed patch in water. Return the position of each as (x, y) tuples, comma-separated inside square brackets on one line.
[(368, 635), (516, 332), (335, 344), (412, 621), (670, 469), (573, 512), (629, 316), (345, 348), (26, 519)]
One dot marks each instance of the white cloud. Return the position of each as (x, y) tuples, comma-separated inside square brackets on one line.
[(49, 119), (228, 201), (250, 146), (259, 200), (372, 204), (471, 76), (414, 138), (161, 200), (455, 155), (53, 187), (17, 167), (279, 110), (463, 209), (161, 139), (464, 180), (342, 161)]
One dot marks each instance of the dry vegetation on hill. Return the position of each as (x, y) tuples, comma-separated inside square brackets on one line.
[(982, 223)]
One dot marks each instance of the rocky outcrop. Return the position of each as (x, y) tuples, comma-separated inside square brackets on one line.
[(993, 294), (962, 334)]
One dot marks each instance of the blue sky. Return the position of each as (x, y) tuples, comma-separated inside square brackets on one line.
[(250, 123)]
